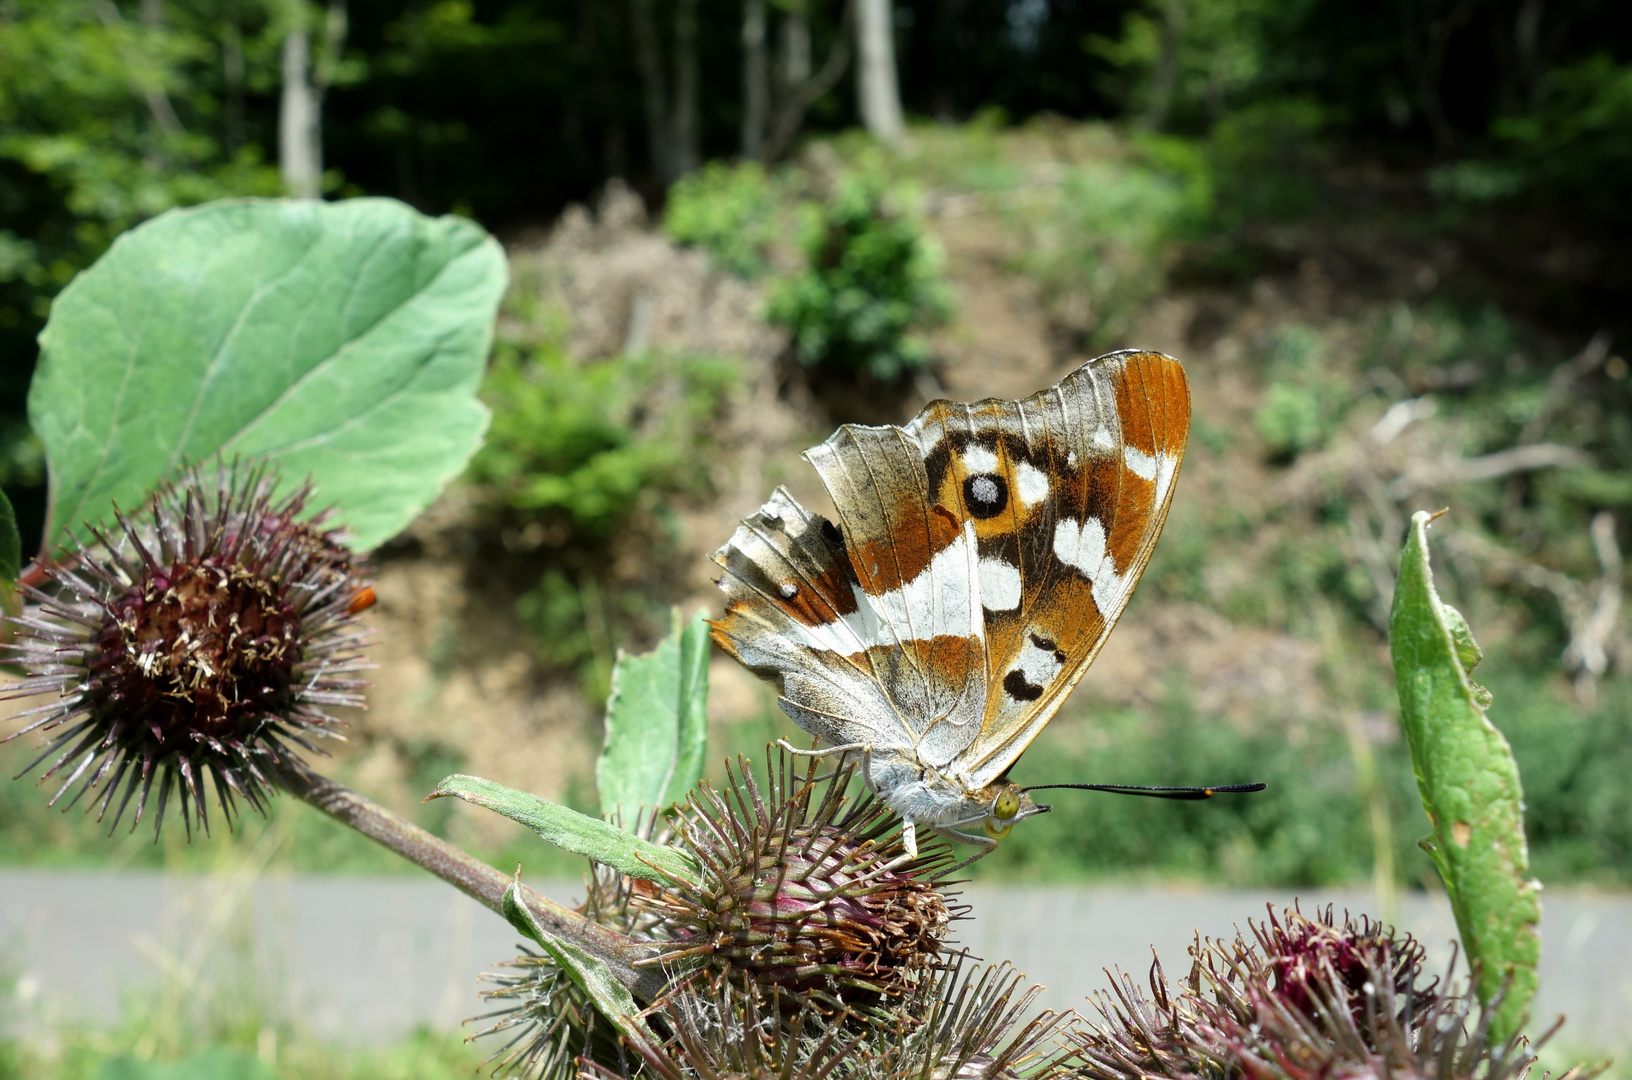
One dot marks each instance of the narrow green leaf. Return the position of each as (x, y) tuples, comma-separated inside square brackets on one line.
[(656, 724), (593, 977), (11, 544), (1470, 788), (345, 341), (578, 833)]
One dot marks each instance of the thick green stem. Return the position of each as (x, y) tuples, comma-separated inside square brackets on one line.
[(478, 880)]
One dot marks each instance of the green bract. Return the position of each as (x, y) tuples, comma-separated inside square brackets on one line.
[(1470, 788), (656, 725), (344, 340)]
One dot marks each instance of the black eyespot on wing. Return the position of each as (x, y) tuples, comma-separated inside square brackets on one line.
[(1019, 689), (985, 494)]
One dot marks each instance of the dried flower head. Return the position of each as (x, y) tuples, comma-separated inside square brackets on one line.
[(201, 640), (804, 889), (1302, 999)]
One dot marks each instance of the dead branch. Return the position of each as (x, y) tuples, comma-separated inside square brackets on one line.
[(1517, 459)]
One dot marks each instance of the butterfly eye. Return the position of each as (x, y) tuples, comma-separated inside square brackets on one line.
[(1005, 807)]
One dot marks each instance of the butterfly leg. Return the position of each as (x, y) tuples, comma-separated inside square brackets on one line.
[(823, 751), (987, 846)]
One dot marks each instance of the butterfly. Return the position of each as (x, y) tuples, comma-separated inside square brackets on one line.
[(983, 553)]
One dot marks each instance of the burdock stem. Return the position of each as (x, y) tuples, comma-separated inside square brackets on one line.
[(478, 880)]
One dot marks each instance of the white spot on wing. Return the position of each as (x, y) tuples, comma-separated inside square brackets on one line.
[(978, 459), (1031, 484), (1104, 439), (939, 601), (1107, 587), (1071, 460), (1039, 666), (1080, 545), (1166, 466), (1139, 463), (1083, 547), (999, 585)]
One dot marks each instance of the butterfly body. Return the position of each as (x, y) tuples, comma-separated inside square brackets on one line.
[(986, 551)]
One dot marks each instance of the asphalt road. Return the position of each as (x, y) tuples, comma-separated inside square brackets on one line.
[(366, 959)]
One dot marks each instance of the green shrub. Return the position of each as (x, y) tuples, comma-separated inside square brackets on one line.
[(872, 281), (728, 211), (578, 453), (1304, 399), (580, 445)]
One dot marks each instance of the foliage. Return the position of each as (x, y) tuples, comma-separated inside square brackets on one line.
[(1574, 143), (656, 724), (872, 282), (1303, 399), (580, 446), (1470, 789), (585, 454), (728, 211), (343, 340)]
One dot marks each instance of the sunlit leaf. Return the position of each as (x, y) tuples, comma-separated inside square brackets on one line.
[(1470, 787), (578, 833), (656, 724), (342, 340)]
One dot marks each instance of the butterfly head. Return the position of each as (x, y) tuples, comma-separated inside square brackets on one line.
[(993, 811)]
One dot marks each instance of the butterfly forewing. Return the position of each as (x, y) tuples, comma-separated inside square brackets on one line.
[(1108, 440), (987, 551)]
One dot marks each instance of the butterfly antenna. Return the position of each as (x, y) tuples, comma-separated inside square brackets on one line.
[(1156, 792)]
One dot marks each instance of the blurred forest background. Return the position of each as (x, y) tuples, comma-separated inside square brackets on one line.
[(1387, 239)]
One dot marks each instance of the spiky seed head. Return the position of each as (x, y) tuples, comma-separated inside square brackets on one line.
[(802, 889), (194, 646), (1302, 999), (964, 1023)]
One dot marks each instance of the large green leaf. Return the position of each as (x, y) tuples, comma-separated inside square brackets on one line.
[(1470, 787), (656, 724), (578, 833), (342, 340)]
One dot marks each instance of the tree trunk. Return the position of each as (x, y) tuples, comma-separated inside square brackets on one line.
[(795, 48), (756, 90), (799, 86), (232, 73), (300, 143), (687, 124), (300, 114), (1165, 75), (876, 85), (643, 27)]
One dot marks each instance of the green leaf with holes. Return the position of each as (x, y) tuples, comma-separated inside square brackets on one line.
[(656, 724), (1469, 784), (344, 341)]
